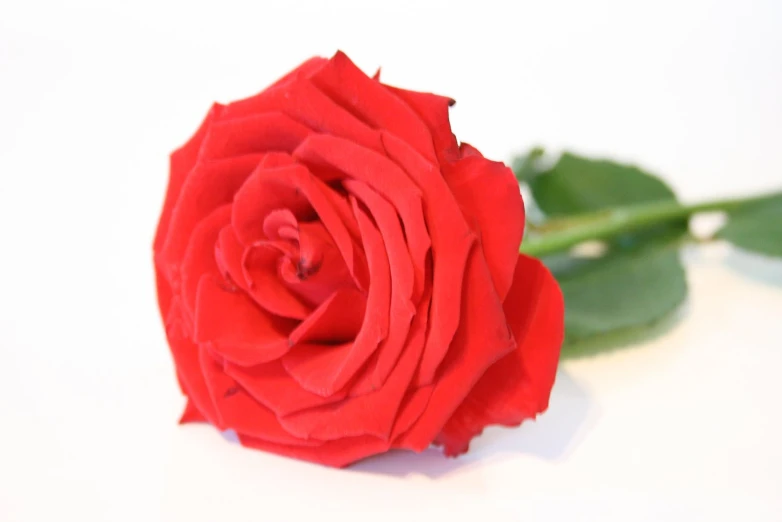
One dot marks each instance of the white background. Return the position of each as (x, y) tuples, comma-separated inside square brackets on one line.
[(94, 95)]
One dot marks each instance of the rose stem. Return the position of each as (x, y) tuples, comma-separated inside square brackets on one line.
[(562, 234)]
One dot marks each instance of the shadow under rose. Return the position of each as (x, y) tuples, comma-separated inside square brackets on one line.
[(551, 437)]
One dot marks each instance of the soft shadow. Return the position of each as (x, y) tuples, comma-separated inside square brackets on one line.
[(400, 463), (765, 270), (551, 437), (626, 338), (230, 436)]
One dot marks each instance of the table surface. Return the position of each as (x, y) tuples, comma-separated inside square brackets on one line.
[(93, 96)]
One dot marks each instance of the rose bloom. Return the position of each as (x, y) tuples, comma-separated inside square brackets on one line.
[(339, 277)]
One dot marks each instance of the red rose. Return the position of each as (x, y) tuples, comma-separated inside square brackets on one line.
[(339, 277)]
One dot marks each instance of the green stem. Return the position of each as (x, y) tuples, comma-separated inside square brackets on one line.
[(562, 234)]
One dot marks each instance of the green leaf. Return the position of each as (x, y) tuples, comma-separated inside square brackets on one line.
[(526, 167), (619, 298), (630, 292), (757, 228), (576, 185)]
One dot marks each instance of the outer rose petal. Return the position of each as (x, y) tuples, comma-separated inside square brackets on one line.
[(433, 110), (347, 85), (238, 411), (303, 70), (307, 104), (185, 354), (191, 414), (516, 387), (489, 196), (272, 131), (182, 160), (164, 294)]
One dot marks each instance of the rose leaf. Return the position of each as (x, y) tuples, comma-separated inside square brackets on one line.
[(757, 228)]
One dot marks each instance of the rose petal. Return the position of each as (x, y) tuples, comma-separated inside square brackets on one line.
[(236, 328), (164, 293), (466, 150), (337, 320), (261, 273), (294, 188), (307, 104), (275, 160), (208, 187), (482, 339), (181, 162), (534, 324), (199, 258), (302, 71), (363, 381), (240, 412), (385, 177), (191, 414), (319, 270), (271, 131), (186, 360), (281, 224), (229, 255), (403, 274), (413, 406), (401, 181), (317, 367), (517, 387), (392, 348), (370, 414), (452, 241), (433, 110), (324, 370), (365, 98), (402, 278), (271, 385), (489, 196), (264, 191)]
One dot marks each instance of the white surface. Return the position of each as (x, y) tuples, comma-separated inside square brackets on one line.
[(92, 99)]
